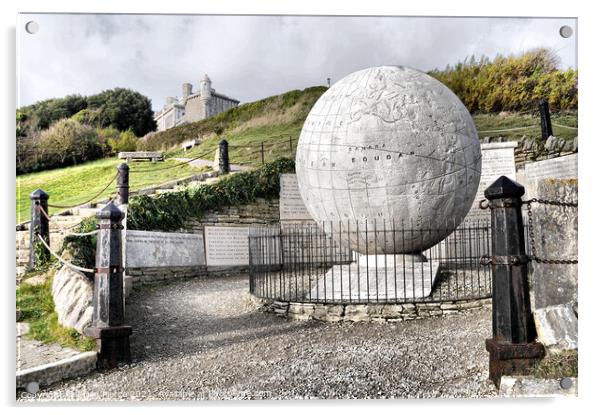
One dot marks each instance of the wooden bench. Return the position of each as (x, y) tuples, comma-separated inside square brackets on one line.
[(141, 155)]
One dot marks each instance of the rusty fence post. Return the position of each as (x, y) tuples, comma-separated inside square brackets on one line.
[(262, 154), (38, 226), (545, 120), (112, 336), (224, 158), (123, 184), (513, 349)]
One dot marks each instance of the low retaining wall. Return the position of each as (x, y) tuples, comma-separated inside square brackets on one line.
[(369, 312)]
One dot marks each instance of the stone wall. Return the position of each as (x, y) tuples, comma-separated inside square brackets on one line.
[(262, 212), (534, 149), (369, 312)]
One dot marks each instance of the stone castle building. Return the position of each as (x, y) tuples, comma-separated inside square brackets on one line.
[(193, 106)]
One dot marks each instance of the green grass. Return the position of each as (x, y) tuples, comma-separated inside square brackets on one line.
[(245, 146), (37, 308), (75, 184), (277, 119), (501, 121), (556, 366)]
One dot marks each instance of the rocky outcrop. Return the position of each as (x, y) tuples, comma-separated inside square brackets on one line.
[(72, 293)]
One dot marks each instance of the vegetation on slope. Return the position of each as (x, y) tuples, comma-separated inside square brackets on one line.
[(65, 131), (169, 211), (281, 114), (75, 184), (37, 309), (511, 83)]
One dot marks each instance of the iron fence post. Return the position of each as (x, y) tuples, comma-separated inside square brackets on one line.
[(38, 226), (290, 143), (262, 156), (546, 122), (112, 336), (512, 349), (224, 159), (123, 184)]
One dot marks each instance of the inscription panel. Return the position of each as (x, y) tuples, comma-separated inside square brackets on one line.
[(161, 249), (291, 203), (558, 168), (227, 245), (564, 167), (497, 160)]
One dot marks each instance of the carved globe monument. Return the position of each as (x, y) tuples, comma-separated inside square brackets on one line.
[(388, 147), (388, 163)]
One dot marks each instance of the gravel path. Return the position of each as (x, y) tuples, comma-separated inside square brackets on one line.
[(204, 339)]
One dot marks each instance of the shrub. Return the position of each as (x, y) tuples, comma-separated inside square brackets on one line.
[(69, 142), (511, 83), (169, 211), (126, 141), (82, 249)]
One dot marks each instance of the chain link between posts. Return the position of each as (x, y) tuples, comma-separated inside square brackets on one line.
[(487, 260), (87, 201), (61, 260)]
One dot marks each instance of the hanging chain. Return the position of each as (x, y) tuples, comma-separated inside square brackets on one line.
[(488, 260), (533, 255)]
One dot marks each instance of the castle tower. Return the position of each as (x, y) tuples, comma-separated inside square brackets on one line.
[(205, 93), (186, 90)]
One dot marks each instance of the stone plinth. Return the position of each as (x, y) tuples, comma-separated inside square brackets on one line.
[(376, 277)]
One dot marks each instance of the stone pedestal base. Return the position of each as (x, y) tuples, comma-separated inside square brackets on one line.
[(376, 277), (511, 359), (113, 344)]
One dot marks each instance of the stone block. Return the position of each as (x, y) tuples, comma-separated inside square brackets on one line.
[(356, 312), (392, 311), (556, 327), (528, 386), (72, 293), (555, 232)]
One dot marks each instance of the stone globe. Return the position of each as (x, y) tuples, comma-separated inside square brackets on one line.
[(388, 148)]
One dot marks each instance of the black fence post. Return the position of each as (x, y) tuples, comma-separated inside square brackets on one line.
[(224, 159), (513, 349), (262, 156), (108, 330), (123, 184), (38, 226), (546, 122), (290, 143)]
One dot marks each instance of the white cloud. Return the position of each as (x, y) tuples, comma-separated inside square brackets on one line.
[(251, 57)]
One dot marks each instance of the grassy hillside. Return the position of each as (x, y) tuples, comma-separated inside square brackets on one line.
[(275, 121), (273, 116), (71, 185)]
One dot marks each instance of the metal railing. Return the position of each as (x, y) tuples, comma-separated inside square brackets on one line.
[(313, 264)]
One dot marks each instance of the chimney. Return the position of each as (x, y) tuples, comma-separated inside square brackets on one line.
[(186, 90)]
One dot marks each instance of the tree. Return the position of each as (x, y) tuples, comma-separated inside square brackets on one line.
[(126, 141), (69, 142), (123, 109)]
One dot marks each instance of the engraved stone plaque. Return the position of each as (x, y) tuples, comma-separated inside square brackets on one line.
[(161, 249), (227, 245), (497, 160), (291, 203)]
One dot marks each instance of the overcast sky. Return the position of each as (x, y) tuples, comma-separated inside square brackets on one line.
[(251, 57)]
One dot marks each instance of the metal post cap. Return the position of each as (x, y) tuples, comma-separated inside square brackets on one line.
[(223, 142), (503, 187), (39, 194), (123, 166), (110, 211)]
